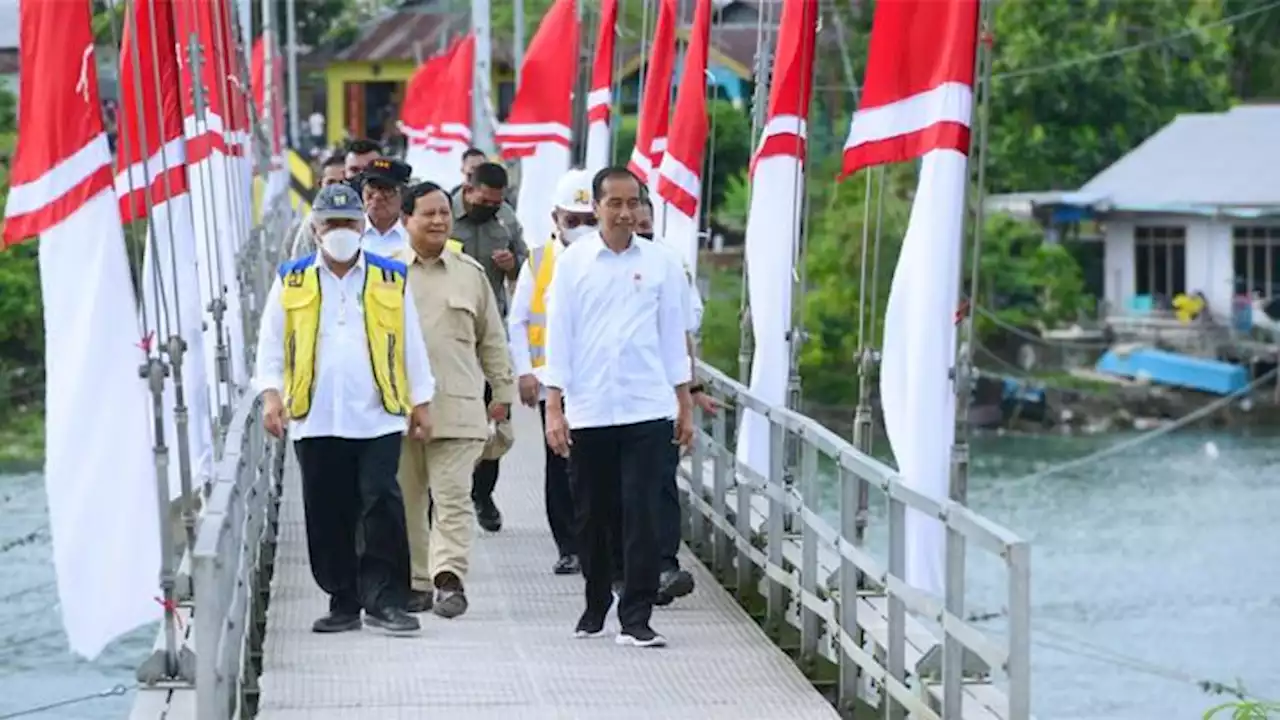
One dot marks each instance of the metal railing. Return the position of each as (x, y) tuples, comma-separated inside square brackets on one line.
[(763, 534), (224, 576)]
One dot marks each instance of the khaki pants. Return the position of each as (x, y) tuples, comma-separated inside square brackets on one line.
[(442, 468)]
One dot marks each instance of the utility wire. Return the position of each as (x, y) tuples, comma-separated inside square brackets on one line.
[(1137, 47)]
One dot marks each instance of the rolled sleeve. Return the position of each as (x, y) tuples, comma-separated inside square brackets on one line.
[(422, 382), (518, 322), (270, 352), (672, 321), (558, 370)]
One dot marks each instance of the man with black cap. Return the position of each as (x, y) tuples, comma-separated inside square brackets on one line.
[(380, 185)]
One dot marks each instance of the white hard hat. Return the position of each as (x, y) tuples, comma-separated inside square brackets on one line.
[(573, 193)]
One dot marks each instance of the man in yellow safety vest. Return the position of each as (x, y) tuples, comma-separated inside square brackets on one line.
[(527, 327), (348, 400)]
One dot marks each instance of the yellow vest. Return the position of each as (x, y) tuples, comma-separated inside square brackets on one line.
[(383, 300), (542, 263)]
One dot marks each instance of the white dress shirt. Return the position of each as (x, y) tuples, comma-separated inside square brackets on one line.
[(616, 327), (345, 400), (394, 240)]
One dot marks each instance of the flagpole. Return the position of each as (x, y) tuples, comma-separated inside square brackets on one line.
[(481, 25), (291, 28), (759, 108), (953, 653), (517, 40)]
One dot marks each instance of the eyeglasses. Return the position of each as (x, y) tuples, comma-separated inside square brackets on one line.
[(575, 221)]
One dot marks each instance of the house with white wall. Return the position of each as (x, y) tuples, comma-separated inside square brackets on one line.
[(1194, 208)]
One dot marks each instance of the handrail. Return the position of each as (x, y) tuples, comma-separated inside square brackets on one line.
[(802, 555)]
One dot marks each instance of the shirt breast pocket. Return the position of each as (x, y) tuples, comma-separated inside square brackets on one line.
[(461, 319)]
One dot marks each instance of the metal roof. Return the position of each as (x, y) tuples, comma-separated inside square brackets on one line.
[(1207, 162)]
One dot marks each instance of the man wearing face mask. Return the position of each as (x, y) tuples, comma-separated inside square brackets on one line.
[(575, 218), (380, 186), (468, 348), (345, 399), (490, 233), (332, 172)]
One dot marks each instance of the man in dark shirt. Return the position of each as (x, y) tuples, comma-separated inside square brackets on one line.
[(489, 232)]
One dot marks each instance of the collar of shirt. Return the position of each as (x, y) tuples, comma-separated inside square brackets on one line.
[(396, 230), (357, 268), (596, 241), (445, 258)]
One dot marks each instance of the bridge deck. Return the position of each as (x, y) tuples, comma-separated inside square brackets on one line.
[(512, 655)]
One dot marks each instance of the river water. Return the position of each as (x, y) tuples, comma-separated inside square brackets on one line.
[(1150, 570)]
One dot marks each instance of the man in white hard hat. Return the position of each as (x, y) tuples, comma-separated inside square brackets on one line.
[(574, 218)]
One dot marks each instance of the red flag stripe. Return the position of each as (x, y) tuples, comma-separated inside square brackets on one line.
[(164, 173), (680, 173), (62, 159), (918, 94), (655, 106), (600, 96), (542, 111), (680, 185)]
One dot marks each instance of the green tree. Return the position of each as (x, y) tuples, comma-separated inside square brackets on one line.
[(1062, 109)]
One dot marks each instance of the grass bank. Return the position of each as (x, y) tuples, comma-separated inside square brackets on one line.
[(22, 440)]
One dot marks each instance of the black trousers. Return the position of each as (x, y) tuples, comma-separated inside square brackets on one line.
[(485, 477), (356, 536), (619, 470), (668, 518), (559, 498)]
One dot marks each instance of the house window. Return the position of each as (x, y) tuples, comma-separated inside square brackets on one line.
[(1257, 260), (1160, 261)]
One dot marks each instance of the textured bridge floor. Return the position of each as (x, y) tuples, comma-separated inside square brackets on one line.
[(512, 655)]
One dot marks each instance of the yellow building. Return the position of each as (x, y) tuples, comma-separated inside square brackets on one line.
[(364, 82)]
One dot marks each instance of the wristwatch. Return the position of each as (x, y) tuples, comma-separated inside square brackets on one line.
[(697, 388)]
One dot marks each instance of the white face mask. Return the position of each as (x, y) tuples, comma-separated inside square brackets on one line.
[(341, 244), (573, 234)]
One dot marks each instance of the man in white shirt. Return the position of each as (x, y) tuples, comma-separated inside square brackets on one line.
[(617, 371), (342, 360), (380, 185), (575, 218)]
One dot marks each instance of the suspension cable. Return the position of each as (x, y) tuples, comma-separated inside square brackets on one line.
[(114, 691)]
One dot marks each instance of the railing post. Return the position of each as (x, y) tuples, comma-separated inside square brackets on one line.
[(720, 544), (775, 527), (697, 483), (810, 628), (1019, 663), (897, 615), (850, 583)]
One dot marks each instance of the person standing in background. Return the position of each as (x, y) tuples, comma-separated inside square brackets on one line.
[(332, 172), (490, 234), (618, 365), (355, 367), (468, 348), (358, 155), (575, 218), (380, 186)]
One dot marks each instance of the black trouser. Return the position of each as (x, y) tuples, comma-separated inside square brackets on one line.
[(485, 476), (619, 470), (356, 537), (668, 518), (559, 497)]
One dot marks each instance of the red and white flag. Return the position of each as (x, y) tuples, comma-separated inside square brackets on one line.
[(538, 128), (214, 168), (269, 96), (448, 119), (99, 474), (655, 104), (153, 165), (917, 102), (773, 220), (680, 173), (416, 109), (600, 99)]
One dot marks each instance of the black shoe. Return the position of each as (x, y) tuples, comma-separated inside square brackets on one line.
[(488, 515), (567, 565), (675, 583), (392, 620), (662, 599), (336, 622), (589, 626), (451, 598), (642, 637), (419, 601)]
